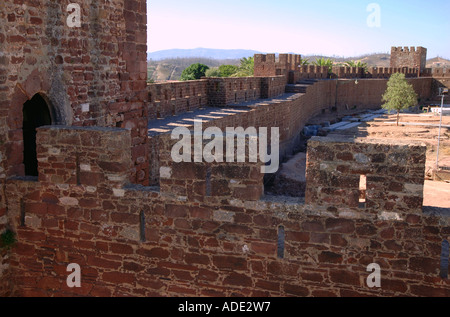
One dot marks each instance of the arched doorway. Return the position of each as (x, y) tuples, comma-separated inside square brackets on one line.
[(36, 114)]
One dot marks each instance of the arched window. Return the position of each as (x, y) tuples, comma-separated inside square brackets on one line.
[(36, 114)]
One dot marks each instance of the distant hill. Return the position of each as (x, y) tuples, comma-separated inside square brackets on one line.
[(201, 52), (438, 62), (171, 69), (372, 60)]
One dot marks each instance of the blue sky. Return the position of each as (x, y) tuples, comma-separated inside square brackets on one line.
[(335, 28)]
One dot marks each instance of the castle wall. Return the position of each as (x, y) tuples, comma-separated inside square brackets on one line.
[(267, 65), (176, 97), (367, 93), (229, 91), (89, 75), (132, 240), (441, 79), (5, 278), (291, 113), (173, 98), (394, 172)]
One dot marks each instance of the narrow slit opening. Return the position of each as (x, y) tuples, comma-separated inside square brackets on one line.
[(142, 226), (280, 242), (22, 213), (445, 251)]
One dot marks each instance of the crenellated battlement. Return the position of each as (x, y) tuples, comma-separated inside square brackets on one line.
[(408, 49), (267, 64), (412, 57), (338, 72)]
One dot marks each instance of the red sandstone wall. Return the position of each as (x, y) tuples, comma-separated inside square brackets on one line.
[(394, 171), (5, 279), (291, 114), (213, 182), (441, 79), (173, 98), (176, 97), (267, 65), (133, 241), (440, 72), (367, 93), (92, 75), (230, 91)]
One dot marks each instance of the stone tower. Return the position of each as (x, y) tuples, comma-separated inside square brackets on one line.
[(413, 57)]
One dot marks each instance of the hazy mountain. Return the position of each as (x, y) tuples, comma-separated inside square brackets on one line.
[(201, 52)]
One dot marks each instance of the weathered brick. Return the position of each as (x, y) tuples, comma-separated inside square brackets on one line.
[(194, 258), (429, 291), (176, 211), (236, 279), (297, 236), (296, 290), (424, 264), (160, 253), (340, 225), (313, 226), (118, 277), (313, 277), (345, 277), (121, 248), (102, 263), (330, 257), (264, 248)]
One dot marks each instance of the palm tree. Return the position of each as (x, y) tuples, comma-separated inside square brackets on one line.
[(357, 64), (304, 62), (324, 62), (246, 68)]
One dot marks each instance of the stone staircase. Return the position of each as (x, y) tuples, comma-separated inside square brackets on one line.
[(300, 86)]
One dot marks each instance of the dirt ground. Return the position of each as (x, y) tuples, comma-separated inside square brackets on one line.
[(418, 127)]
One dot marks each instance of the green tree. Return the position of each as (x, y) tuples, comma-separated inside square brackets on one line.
[(213, 72), (227, 70), (193, 72), (399, 94), (304, 62), (246, 68)]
